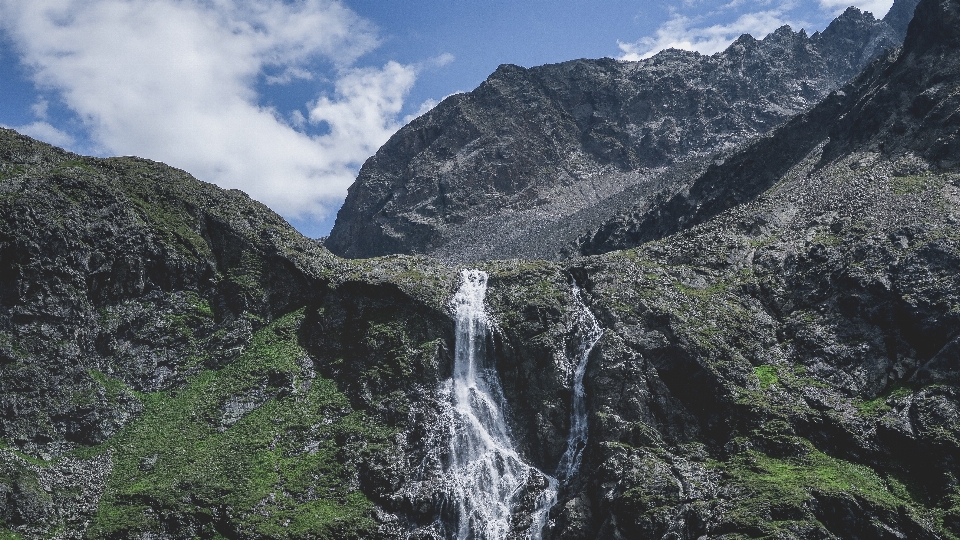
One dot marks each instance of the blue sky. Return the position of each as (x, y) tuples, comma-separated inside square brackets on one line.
[(285, 99)]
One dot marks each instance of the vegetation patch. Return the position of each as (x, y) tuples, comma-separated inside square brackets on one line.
[(11, 171), (705, 293), (880, 404), (827, 239), (4, 445), (7, 534), (176, 227), (520, 292), (260, 448), (907, 185), (190, 321), (76, 164), (113, 388), (767, 375), (776, 491)]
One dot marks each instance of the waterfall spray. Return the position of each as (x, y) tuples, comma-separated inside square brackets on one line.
[(484, 475)]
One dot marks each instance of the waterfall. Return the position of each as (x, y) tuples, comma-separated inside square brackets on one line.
[(485, 477), (588, 332), (485, 473), (577, 439)]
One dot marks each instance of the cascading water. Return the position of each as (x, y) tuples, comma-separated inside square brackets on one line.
[(485, 473), (577, 440), (589, 332)]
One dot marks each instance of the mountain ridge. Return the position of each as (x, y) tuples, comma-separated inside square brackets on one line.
[(533, 158), (865, 112)]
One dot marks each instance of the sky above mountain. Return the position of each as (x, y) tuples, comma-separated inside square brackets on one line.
[(286, 99)]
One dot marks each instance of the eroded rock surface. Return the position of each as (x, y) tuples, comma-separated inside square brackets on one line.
[(534, 158)]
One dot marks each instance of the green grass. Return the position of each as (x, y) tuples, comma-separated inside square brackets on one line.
[(202, 309), (783, 487), (26, 457), (175, 226), (76, 164), (10, 172), (112, 387), (703, 294), (7, 534), (196, 316), (711, 317), (827, 238), (282, 470), (767, 375), (907, 185), (878, 405)]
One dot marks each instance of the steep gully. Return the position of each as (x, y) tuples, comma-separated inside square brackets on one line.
[(486, 476)]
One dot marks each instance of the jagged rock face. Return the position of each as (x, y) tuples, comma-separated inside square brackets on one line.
[(96, 257), (900, 15), (177, 362), (905, 103), (846, 350), (534, 157), (121, 279), (800, 330)]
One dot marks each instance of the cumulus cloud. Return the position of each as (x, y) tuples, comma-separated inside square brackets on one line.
[(175, 80), (45, 132), (424, 108), (362, 114), (681, 32), (879, 8)]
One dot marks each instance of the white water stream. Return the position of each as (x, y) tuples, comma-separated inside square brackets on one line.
[(577, 440), (486, 477), (485, 472)]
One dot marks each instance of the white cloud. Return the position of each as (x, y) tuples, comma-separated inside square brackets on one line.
[(362, 115), (424, 108), (47, 133), (879, 8), (290, 74), (40, 108), (681, 32), (444, 59), (174, 80), (733, 4)]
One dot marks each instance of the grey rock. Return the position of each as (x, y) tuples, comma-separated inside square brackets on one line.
[(534, 158)]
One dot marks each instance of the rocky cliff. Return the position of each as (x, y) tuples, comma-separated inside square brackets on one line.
[(780, 360), (534, 158), (902, 104)]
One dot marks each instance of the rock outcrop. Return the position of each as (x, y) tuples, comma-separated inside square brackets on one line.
[(534, 158), (902, 105)]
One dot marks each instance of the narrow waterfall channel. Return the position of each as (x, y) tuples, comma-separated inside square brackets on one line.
[(486, 477), (589, 332)]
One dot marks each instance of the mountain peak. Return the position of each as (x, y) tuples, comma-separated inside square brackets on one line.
[(500, 171), (900, 15), (935, 24)]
